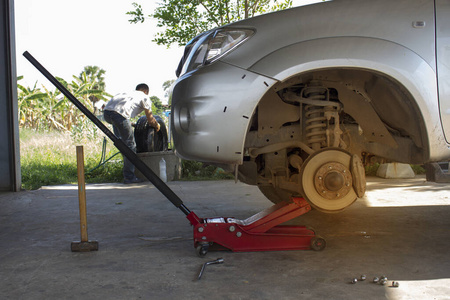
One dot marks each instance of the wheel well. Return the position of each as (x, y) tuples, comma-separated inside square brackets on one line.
[(386, 102)]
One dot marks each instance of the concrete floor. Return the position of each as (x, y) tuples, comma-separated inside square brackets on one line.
[(401, 229)]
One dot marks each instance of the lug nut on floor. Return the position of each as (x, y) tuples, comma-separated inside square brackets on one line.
[(382, 280), (361, 278), (395, 284)]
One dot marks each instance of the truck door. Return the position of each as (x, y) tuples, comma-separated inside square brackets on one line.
[(443, 62)]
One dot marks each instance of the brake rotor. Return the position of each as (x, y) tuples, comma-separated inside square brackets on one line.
[(327, 181)]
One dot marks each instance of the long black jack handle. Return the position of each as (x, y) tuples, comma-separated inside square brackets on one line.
[(123, 148)]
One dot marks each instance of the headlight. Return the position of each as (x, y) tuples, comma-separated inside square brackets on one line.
[(224, 41), (215, 45)]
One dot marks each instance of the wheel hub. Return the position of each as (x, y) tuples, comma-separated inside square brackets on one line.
[(333, 180)]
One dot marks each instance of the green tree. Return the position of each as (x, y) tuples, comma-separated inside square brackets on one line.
[(46, 109), (27, 97), (95, 76), (157, 106), (87, 87), (184, 19)]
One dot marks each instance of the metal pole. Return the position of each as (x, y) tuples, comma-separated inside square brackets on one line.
[(123, 148)]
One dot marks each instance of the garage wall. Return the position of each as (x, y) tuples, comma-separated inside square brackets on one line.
[(9, 129)]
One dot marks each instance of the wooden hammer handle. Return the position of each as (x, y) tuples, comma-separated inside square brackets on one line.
[(82, 194)]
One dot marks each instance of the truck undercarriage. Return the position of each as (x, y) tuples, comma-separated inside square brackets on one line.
[(312, 134)]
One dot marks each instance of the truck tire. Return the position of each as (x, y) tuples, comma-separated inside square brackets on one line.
[(147, 140)]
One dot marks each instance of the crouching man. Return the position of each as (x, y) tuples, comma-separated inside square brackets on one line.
[(118, 112)]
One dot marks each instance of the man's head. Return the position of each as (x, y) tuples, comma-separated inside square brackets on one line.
[(143, 88)]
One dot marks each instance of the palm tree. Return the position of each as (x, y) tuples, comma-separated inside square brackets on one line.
[(90, 84), (49, 109), (95, 75)]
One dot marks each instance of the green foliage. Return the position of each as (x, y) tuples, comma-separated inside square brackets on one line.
[(95, 75), (42, 109), (41, 173), (85, 131), (194, 170), (418, 169), (371, 170), (157, 106), (49, 158), (184, 19), (137, 14)]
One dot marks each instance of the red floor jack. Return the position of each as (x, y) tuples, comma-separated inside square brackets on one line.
[(261, 232)]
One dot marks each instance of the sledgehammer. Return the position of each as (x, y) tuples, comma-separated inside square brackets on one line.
[(85, 245)]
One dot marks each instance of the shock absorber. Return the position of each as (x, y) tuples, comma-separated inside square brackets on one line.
[(315, 120)]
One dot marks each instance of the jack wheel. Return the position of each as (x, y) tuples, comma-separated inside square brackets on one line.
[(202, 250), (318, 243)]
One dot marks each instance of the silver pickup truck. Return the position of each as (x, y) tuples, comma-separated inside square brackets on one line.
[(297, 101)]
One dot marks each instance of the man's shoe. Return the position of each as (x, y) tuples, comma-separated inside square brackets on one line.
[(134, 180)]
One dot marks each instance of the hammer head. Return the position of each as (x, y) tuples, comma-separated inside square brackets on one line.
[(84, 246)]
